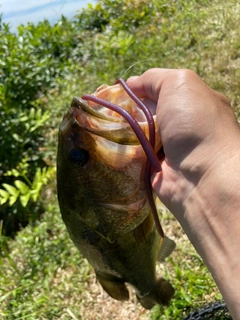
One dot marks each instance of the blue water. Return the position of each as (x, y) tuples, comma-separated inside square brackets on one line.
[(16, 12)]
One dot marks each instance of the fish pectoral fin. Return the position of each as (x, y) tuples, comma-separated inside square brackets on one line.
[(166, 248), (115, 287), (160, 294)]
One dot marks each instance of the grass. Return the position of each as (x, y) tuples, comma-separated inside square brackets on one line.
[(45, 277), (36, 282), (193, 284), (42, 275)]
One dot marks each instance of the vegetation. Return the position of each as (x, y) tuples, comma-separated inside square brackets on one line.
[(42, 276)]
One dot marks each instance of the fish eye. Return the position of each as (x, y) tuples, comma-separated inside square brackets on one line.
[(79, 156)]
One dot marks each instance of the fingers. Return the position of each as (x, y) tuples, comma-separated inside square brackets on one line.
[(149, 83), (157, 80)]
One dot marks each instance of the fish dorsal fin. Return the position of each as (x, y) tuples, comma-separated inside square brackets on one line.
[(166, 248)]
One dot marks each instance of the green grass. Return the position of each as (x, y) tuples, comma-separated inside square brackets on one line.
[(37, 281), (42, 276), (45, 277)]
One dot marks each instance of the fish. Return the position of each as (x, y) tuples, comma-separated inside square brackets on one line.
[(101, 185)]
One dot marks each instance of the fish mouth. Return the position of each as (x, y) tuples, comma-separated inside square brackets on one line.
[(94, 111), (94, 114), (109, 125), (102, 121)]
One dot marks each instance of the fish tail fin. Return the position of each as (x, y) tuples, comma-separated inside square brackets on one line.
[(115, 287), (160, 294)]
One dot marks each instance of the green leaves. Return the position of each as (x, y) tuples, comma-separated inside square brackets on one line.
[(25, 191), (10, 195), (35, 119)]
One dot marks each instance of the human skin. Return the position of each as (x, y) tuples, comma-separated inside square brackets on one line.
[(200, 178)]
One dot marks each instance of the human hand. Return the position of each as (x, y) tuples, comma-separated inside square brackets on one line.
[(197, 127), (198, 182)]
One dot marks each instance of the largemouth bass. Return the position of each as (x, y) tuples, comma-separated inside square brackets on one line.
[(102, 197)]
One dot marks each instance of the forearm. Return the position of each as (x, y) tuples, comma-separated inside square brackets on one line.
[(203, 193), (218, 243), (210, 215)]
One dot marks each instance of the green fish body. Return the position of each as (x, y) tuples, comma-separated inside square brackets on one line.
[(103, 201)]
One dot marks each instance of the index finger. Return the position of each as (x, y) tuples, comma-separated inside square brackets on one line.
[(149, 84)]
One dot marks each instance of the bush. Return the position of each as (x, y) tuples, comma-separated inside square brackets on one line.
[(24, 78)]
